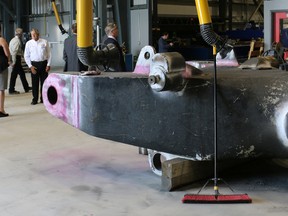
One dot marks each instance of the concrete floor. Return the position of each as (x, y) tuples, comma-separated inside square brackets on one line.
[(49, 168)]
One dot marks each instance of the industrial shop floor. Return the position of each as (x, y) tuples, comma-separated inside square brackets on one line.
[(49, 168)]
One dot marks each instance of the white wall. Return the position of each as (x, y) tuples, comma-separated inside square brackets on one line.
[(139, 30)]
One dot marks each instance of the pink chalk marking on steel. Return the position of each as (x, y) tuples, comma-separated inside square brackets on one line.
[(75, 95), (144, 60), (142, 69), (66, 107)]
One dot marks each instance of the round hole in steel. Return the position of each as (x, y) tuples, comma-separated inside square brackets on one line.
[(157, 161), (147, 55), (52, 95)]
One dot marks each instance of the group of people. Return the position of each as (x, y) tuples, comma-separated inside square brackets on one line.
[(37, 55)]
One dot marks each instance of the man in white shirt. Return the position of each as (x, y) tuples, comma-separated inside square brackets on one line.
[(16, 51), (37, 56)]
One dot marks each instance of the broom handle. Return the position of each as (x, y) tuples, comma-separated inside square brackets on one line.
[(215, 122)]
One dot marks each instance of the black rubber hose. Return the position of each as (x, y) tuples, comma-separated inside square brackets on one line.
[(214, 39), (211, 37), (109, 55)]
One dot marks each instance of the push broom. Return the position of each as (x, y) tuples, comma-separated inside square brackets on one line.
[(217, 197)]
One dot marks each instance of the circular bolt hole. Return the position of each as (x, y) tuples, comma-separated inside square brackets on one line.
[(157, 162), (147, 55), (52, 95)]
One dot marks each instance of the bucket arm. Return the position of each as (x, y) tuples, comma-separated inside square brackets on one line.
[(123, 107)]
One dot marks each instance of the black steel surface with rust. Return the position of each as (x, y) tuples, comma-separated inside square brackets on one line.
[(122, 107)]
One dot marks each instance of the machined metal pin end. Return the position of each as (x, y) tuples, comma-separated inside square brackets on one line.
[(153, 79)]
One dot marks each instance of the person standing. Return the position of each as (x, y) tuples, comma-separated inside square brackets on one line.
[(15, 47), (72, 62), (111, 31), (4, 63), (37, 55), (163, 46)]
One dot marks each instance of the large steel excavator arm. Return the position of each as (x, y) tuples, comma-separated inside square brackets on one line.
[(159, 107)]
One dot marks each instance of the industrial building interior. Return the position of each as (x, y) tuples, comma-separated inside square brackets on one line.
[(208, 117)]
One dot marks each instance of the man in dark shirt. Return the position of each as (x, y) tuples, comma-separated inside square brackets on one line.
[(163, 46), (72, 63), (111, 31)]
